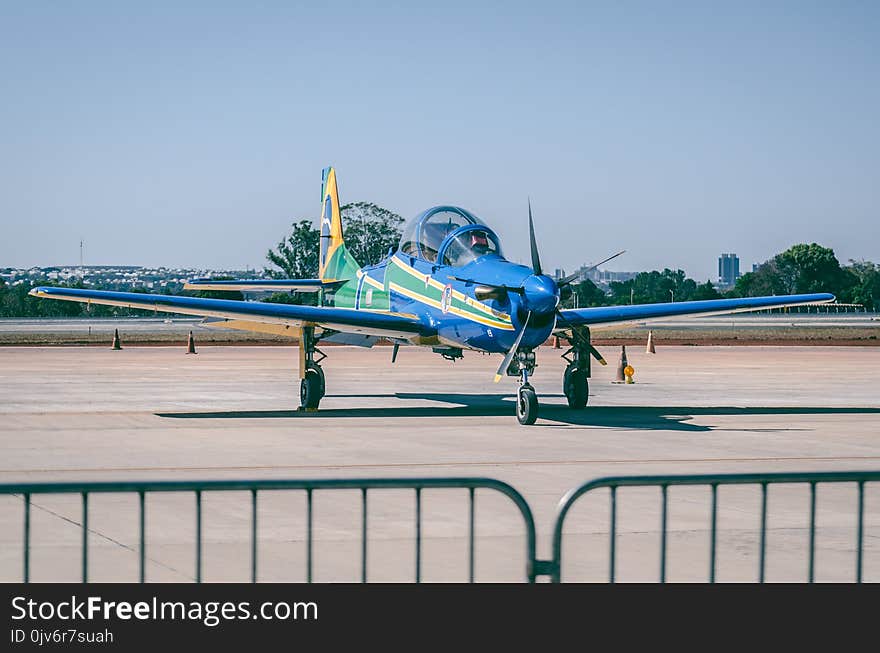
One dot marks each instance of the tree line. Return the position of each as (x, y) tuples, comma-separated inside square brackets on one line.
[(371, 231), (799, 269)]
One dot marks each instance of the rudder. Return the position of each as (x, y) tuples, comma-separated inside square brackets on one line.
[(335, 263)]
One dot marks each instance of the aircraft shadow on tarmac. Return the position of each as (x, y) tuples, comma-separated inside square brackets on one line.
[(666, 418)]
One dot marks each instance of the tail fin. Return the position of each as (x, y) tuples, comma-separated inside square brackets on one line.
[(334, 261)]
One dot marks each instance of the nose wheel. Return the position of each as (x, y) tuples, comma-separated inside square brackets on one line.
[(526, 405)]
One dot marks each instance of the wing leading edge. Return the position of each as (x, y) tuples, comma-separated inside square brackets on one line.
[(602, 316), (395, 325)]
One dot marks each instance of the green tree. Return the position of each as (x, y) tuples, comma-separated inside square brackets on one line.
[(296, 257), (655, 287), (812, 268), (799, 269), (866, 290), (706, 291), (586, 293), (370, 231), (765, 280)]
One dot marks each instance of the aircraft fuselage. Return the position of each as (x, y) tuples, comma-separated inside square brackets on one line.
[(443, 297)]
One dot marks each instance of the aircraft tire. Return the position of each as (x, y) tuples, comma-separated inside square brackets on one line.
[(310, 389), (320, 372), (526, 405), (576, 387)]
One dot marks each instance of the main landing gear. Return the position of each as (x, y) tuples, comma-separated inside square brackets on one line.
[(311, 385), (575, 381)]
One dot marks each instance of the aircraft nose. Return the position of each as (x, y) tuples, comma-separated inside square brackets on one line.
[(541, 294)]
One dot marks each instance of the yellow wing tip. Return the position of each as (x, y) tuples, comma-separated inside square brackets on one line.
[(602, 361), (497, 378)]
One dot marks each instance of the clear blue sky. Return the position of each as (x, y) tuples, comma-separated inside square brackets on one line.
[(192, 134)]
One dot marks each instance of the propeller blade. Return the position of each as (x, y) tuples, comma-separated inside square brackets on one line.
[(571, 277), (502, 370), (564, 281), (593, 267), (536, 260)]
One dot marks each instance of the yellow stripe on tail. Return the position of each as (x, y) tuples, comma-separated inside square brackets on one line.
[(331, 221)]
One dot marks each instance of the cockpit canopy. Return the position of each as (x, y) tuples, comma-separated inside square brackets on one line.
[(454, 235)]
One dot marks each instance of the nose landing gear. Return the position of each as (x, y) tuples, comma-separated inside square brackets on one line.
[(523, 365)]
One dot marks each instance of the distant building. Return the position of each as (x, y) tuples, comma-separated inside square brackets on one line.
[(728, 270)]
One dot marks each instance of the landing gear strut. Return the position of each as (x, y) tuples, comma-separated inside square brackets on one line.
[(523, 365), (311, 385), (575, 381)]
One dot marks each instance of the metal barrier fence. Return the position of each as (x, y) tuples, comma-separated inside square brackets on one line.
[(309, 486), (714, 481), (535, 567)]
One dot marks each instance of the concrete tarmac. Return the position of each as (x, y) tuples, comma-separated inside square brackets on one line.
[(70, 414)]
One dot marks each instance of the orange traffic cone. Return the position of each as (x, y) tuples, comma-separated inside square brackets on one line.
[(650, 348), (621, 366), (116, 344), (191, 344)]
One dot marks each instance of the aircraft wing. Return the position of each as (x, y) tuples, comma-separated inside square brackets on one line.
[(253, 285), (392, 325), (602, 316)]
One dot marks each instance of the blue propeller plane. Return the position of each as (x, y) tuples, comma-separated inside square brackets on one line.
[(448, 287)]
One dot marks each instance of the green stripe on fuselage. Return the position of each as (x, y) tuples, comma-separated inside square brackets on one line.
[(409, 282)]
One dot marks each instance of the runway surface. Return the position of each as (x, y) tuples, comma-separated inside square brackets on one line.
[(230, 412)]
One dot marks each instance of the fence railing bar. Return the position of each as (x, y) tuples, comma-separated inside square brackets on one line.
[(85, 537), (764, 480), (535, 567), (663, 492), (812, 570), (198, 536), (142, 544), (612, 535), (861, 532), (309, 535), (471, 501), (363, 535), (713, 536), (27, 539), (254, 535), (418, 535), (762, 557), (93, 487)]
